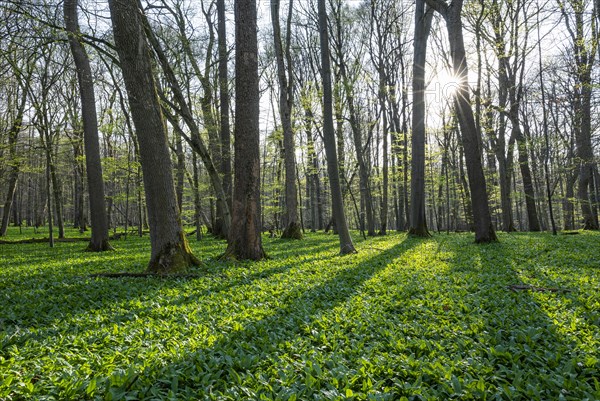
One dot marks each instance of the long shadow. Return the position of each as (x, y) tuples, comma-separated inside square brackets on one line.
[(526, 353), (252, 343), (35, 301), (34, 298)]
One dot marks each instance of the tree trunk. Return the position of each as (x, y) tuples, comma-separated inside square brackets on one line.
[(197, 205), (337, 202), (528, 189), (58, 204), (585, 56), (363, 173), (99, 221), (245, 240), (292, 228), (170, 249), (484, 229), (180, 171), (224, 102), (195, 141), (13, 175), (418, 218)]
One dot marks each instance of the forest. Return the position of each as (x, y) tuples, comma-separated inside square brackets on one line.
[(290, 200)]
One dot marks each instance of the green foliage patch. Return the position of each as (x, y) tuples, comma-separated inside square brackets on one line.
[(404, 319)]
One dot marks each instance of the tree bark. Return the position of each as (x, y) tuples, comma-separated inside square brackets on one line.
[(418, 218), (170, 250), (225, 130), (585, 56), (484, 229), (337, 202), (184, 109), (13, 175), (292, 229), (99, 221), (245, 240)]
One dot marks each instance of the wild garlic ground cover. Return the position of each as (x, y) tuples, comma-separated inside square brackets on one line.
[(404, 318)]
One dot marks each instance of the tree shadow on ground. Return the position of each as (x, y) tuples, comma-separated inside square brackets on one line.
[(528, 347), (251, 345)]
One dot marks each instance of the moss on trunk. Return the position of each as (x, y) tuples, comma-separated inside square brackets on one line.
[(292, 231), (173, 258)]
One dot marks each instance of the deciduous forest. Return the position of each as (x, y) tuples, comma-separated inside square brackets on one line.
[(300, 199)]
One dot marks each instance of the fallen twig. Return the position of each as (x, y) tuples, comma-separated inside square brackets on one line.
[(527, 287), (116, 236), (143, 275)]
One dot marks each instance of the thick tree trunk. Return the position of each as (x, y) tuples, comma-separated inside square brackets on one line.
[(170, 249), (418, 218), (99, 220), (337, 202), (245, 240)]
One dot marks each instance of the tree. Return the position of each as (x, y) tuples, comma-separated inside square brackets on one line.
[(170, 249), (99, 221), (340, 42), (224, 101), (484, 229), (286, 92), (337, 202), (245, 240), (418, 221), (22, 84), (185, 110), (585, 49), (511, 53)]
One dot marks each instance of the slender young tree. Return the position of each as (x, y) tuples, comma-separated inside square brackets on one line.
[(224, 101), (99, 221), (24, 80), (337, 202), (170, 249), (245, 240), (292, 229)]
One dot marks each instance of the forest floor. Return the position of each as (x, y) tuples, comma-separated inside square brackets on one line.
[(405, 318)]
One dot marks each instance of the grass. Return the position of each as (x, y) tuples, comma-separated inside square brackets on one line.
[(404, 319)]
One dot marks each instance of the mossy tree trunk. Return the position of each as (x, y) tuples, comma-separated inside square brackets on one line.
[(170, 249)]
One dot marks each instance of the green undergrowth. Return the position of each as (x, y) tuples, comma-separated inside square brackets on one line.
[(404, 319)]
